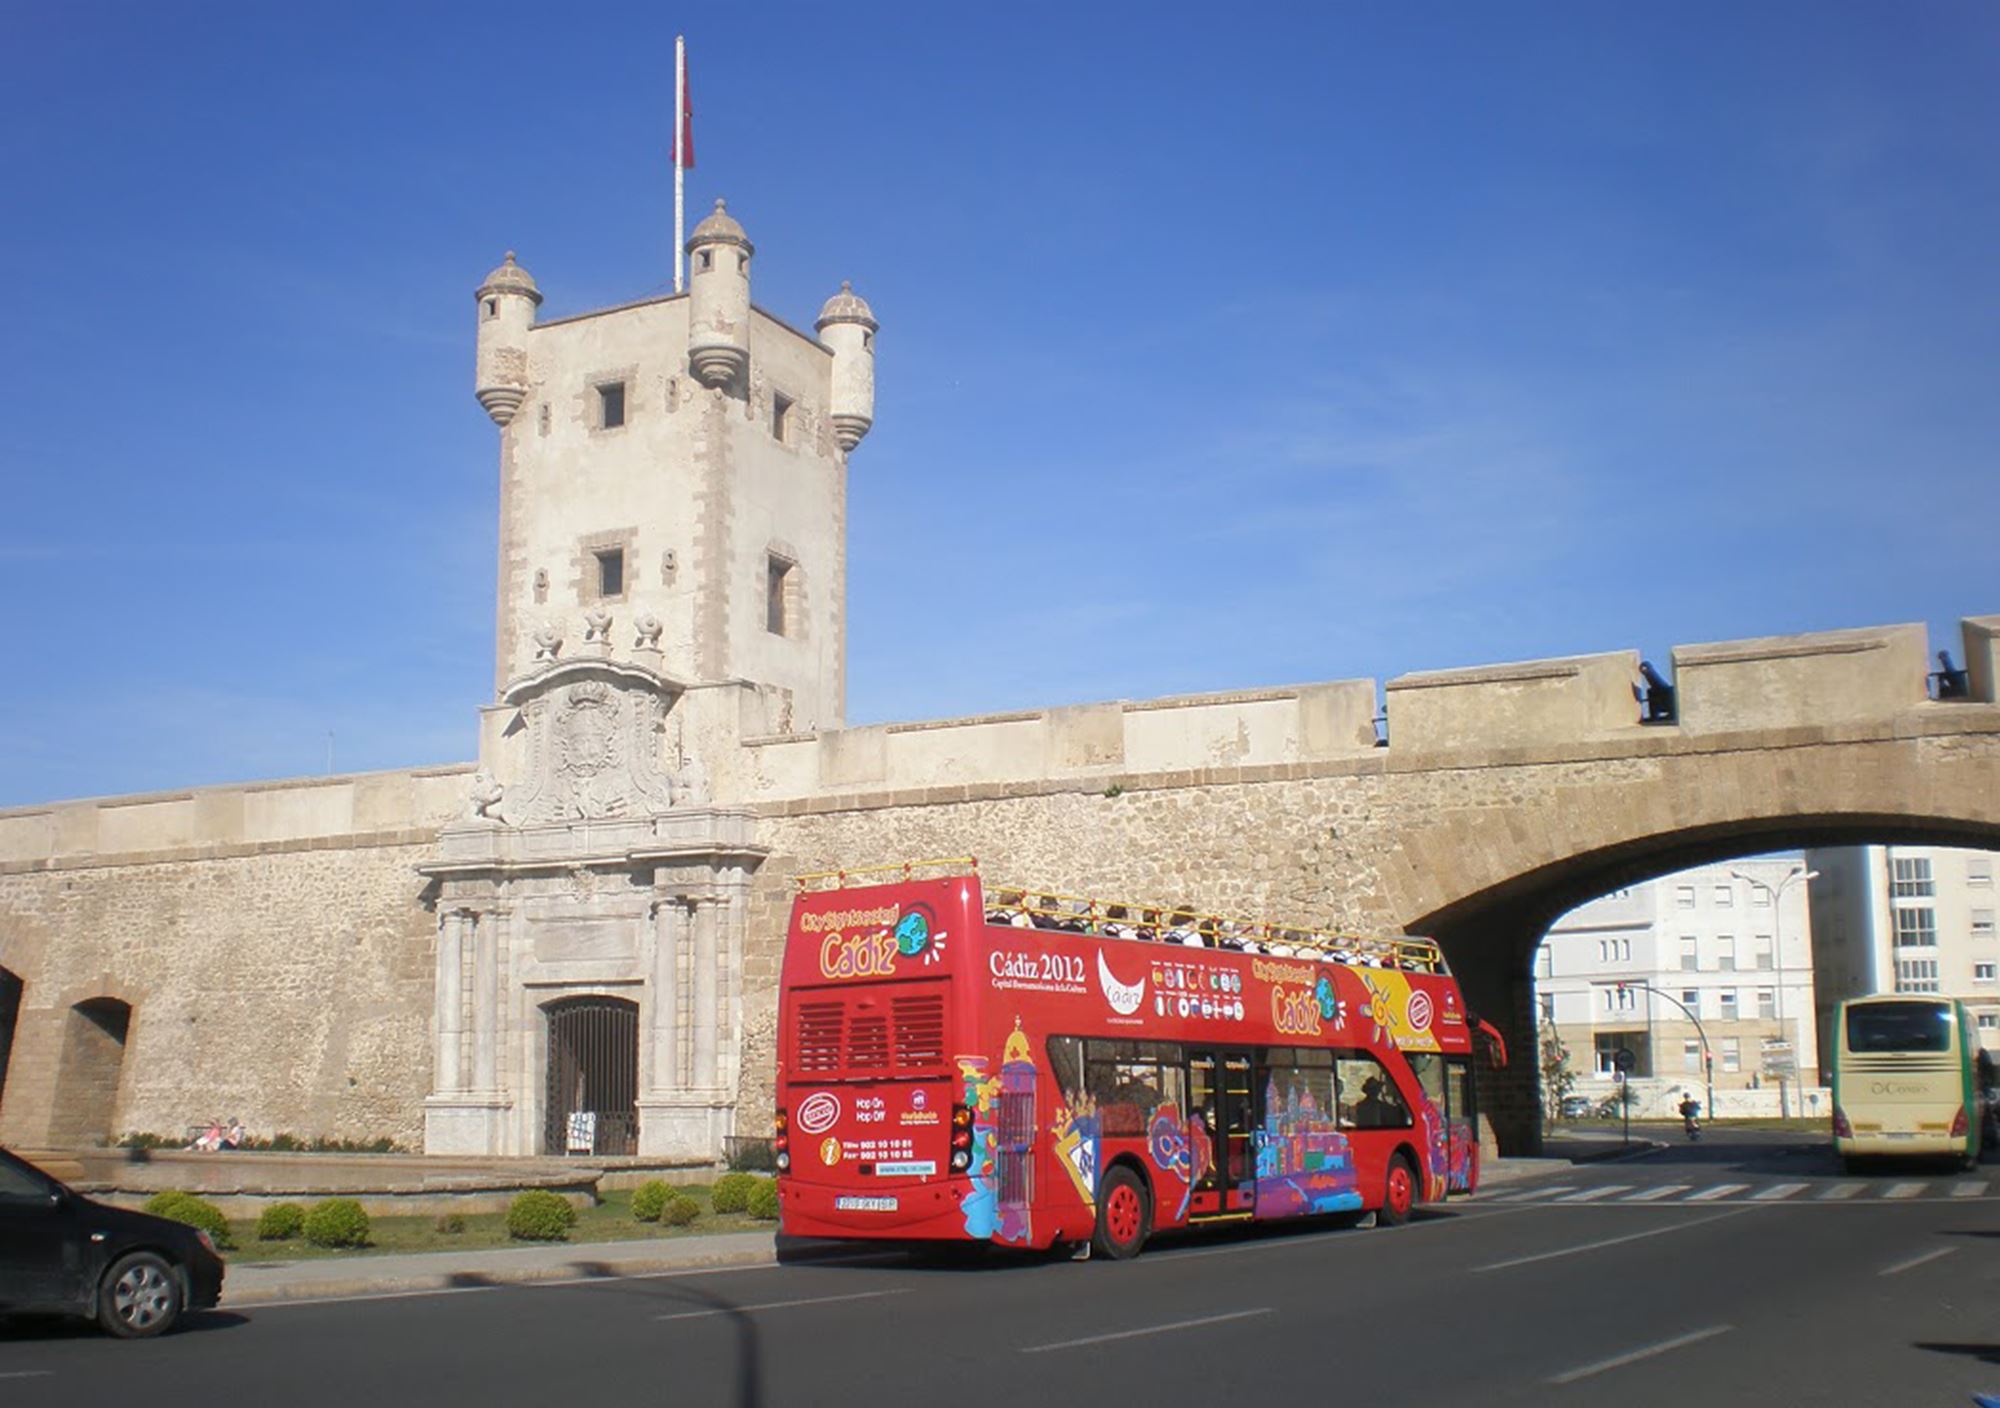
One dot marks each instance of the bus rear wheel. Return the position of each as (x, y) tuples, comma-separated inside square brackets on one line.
[(1399, 1192), (1124, 1216)]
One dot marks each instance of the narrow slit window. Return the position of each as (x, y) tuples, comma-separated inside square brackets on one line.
[(611, 572), (611, 405), (777, 585), (781, 418), (492, 307)]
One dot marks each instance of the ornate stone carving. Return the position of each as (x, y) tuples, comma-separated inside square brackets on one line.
[(484, 797), (548, 641), (597, 626), (690, 784), (648, 628), (593, 745)]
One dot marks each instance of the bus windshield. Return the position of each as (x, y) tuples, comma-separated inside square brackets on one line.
[(1899, 1027)]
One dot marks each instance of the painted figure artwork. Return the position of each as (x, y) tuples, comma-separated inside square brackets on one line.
[(1304, 1164), (981, 1205)]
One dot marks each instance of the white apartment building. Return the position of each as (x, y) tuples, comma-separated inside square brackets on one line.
[(1721, 954), (1907, 919)]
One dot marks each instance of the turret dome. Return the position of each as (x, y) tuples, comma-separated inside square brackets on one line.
[(847, 306), (719, 227), (510, 278)]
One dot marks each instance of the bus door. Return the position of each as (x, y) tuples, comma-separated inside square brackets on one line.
[(1220, 1121), (1461, 1124)]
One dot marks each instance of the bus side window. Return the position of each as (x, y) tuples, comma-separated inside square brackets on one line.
[(1066, 1061), (1368, 1099)]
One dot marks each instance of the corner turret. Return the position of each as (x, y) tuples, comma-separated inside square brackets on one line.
[(847, 325), (507, 303), (719, 300)]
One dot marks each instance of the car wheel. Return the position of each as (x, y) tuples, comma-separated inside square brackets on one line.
[(1399, 1193), (1124, 1216), (140, 1296)]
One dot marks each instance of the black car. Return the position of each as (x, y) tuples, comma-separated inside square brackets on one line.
[(63, 1253)]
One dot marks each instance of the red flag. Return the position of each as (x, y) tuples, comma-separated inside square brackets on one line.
[(684, 129)]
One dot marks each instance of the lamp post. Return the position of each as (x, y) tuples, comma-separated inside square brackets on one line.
[(1777, 894), (1707, 1056)]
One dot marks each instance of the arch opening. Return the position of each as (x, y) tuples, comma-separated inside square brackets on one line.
[(89, 1071), (591, 1100)]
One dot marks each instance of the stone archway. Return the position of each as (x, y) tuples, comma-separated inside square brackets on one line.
[(10, 1014), (88, 1072), (592, 1076)]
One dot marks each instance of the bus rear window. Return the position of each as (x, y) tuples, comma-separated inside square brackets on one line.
[(1899, 1026)]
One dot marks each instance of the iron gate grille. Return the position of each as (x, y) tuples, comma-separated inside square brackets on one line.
[(593, 1076)]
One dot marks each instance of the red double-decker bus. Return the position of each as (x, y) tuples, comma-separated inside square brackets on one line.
[(1058, 1069)]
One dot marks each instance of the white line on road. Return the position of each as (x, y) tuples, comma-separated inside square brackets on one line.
[(29, 1374), (1665, 1190), (1904, 1190), (1533, 1193), (1591, 1195), (1916, 1261), (1148, 1330), (779, 1304), (1842, 1190), (1776, 1191), (1720, 1190), (1678, 1342), (1612, 1241), (1970, 1189)]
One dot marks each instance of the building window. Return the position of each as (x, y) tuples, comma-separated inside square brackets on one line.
[(1732, 1054), (611, 405), (1725, 896), (1761, 946), (1912, 878), (1683, 897), (610, 572), (1760, 895), (1691, 1057), (492, 307), (777, 592), (1916, 927), (1979, 871), (1725, 959), (1691, 999), (1982, 923), (1984, 972), (1988, 1021), (1690, 953), (1916, 975), (705, 259), (1767, 1003), (781, 418), (1728, 996)]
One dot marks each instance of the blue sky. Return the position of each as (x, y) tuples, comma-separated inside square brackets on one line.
[(1311, 343)]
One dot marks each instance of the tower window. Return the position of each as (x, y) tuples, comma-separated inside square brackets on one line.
[(492, 307), (781, 418), (610, 572), (742, 263), (705, 259), (611, 405), (777, 590)]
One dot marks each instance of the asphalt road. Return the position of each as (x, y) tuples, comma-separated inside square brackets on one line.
[(1635, 1282)]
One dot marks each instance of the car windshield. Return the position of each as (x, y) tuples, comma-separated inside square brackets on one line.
[(21, 1181)]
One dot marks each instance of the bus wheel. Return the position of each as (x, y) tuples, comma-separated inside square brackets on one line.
[(1399, 1193), (1124, 1216)]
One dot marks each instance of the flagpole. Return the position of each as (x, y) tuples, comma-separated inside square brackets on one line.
[(680, 126)]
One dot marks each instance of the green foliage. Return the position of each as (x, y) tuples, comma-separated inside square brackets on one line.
[(540, 1216), (281, 1222), (179, 1206), (282, 1143), (764, 1200), (679, 1210), (744, 1155), (648, 1198), (450, 1223), (732, 1192), (337, 1222)]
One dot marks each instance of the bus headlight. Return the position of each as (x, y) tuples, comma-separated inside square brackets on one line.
[(784, 1161), (961, 1160)]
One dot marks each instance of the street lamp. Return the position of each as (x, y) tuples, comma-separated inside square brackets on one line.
[(1707, 1056), (1777, 894)]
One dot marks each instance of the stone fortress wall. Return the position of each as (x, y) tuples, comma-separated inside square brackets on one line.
[(275, 942)]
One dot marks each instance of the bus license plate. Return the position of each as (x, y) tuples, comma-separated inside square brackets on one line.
[(857, 1204)]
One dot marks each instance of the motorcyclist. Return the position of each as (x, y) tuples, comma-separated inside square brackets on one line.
[(1690, 1109)]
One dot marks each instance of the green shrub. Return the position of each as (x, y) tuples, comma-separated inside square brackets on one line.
[(540, 1216), (280, 1222), (749, 1155), (764, 1200), (679, 1210), (648, 1198), (732, 1192), (179, 1206), (449, 1223), (337, 1222)]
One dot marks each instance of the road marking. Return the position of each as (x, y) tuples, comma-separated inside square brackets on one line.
[(1534, 1193), (1678, 1342), (779, 1304), (1720, 1190), (1612, 1241), (1776, 1191), (1591, 1195), (1971, 1189), (1904, 1190), (1841, 1190), (1665, 1190), (29, 1374), (1148, 1330), (257, 1306), (1916, 1261)]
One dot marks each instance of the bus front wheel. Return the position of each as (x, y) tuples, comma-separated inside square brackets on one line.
[(1399, 1192), (1124, 1215)]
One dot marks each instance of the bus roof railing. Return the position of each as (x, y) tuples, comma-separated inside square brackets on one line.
[(1051, 911)]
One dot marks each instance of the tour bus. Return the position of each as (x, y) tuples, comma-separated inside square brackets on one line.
[(1021, 1068), (1903, 1079)]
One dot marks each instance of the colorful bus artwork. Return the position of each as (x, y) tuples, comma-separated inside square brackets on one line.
[(1011, 1066)]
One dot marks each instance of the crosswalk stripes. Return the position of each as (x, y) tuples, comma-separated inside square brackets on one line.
[(1972, 1188), (1720, 1190), (1569, 1194), (1591, 1195), (1842, 1190), (1665, 1190), (1904, 1190), (1776, 1191), (1531, 1194)]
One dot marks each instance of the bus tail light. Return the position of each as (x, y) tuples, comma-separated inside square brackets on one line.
[(1841, 1128), (1959, 1124), (961, 1138), (781, 1144)]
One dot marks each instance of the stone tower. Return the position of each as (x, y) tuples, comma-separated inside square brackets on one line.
[(672, 579)]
